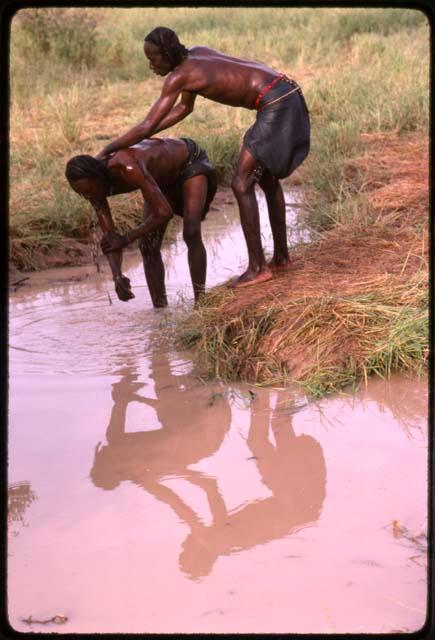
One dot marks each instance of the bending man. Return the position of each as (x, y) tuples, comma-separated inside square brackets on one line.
[(175, 177), (272, 149)]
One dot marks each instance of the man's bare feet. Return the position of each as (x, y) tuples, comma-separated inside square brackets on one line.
[(250, 278), (279, 266)]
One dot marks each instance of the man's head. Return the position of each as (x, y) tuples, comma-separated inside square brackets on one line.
[(164, 50), (88, 177)]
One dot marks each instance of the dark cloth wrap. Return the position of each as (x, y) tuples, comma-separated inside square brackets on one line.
[(279, 139), (197, 164)]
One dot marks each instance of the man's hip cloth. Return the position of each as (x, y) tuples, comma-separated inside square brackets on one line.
[(197, 164), (279, 139)]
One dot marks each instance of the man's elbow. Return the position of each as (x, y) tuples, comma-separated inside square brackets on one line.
[(187, 110), (164, 214)]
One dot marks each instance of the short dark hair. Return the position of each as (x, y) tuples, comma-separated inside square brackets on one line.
[(167, 41), (85, 166)]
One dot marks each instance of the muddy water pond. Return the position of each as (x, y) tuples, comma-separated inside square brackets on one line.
[(142, 499)]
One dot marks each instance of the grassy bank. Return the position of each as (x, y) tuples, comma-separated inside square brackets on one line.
[(353, 304), (362, 70)]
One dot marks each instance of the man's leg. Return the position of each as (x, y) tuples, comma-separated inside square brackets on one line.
[(194, 198), (244, 189), (276, 209), (154, 269)]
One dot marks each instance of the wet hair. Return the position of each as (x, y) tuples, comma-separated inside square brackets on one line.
[(168, 43), (84, 166)]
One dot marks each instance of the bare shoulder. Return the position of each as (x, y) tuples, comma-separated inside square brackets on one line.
[(121, 158), (132, 162), (184, 77), (201, 50), (212, 54), (176, 80)]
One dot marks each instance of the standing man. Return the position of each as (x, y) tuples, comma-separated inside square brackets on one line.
[(272, 149), (175, 177)]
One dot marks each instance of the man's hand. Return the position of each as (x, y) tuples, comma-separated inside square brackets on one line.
[(103, 155), (123, 289), (113, 241)]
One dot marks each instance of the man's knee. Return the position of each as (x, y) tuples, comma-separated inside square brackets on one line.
[(192, 234), (241, 184)]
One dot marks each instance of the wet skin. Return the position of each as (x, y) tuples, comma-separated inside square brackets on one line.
[(231, 81), (152, 167)]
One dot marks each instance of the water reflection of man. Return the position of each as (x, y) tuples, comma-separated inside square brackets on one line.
[(188, 434), (294, 470)]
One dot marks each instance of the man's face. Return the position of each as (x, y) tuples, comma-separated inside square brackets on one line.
[(91, 189), (159, 63)]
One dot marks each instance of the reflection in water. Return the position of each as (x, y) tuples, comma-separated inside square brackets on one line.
[(293, 468), (407, 404), (20, 496), (401, 400), (148, 457), (250, 470)]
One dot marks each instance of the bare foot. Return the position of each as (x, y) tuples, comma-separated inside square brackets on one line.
[(252, 277), (279, 266)]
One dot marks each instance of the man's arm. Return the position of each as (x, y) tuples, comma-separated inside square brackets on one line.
[(160, 209), (105, 220), (179, 112), (160, 111), (104, 215)]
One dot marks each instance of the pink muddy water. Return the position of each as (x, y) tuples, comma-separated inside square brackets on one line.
[(144, 500)]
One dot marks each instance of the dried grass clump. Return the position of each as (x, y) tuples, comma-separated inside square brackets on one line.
[(396, 172), (353, 304), (322, 342)]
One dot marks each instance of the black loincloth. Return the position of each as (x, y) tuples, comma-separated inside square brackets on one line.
[(280, 137), (197, 164)]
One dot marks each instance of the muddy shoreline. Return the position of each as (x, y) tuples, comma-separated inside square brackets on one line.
[(71, 252)]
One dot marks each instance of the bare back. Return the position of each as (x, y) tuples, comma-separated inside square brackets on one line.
[(162, 159), (221, 78)]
